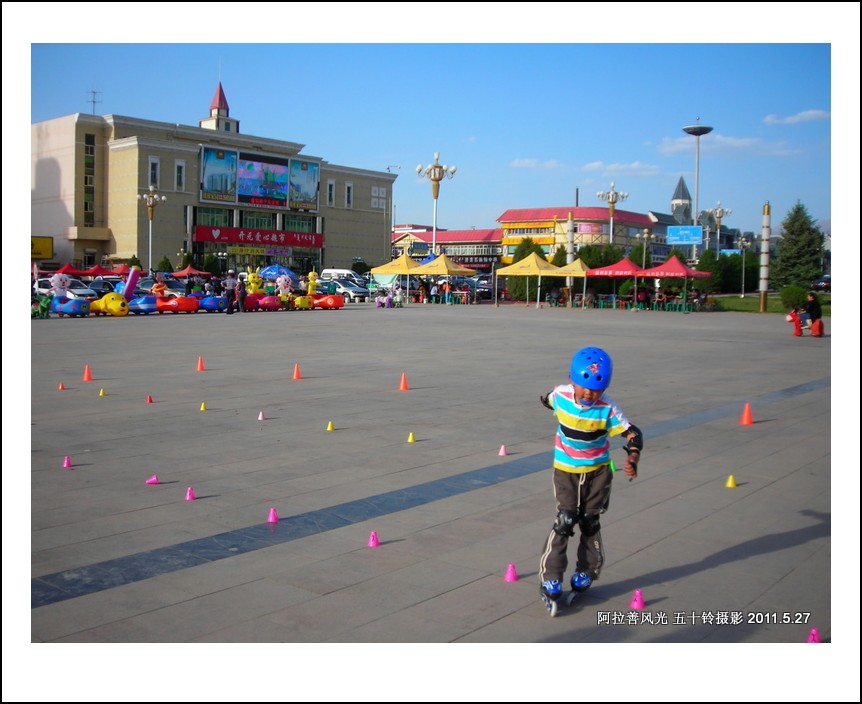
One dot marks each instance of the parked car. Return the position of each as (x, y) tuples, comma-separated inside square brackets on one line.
[(175, 288), (822, 283), (351, 291), (102, 287), (77, 289)]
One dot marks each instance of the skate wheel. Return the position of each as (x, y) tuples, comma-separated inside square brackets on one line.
[(570, 598), (551, 606)]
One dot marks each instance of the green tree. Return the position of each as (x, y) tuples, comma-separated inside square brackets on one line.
[(800, 253), (134, 261), (165, 265), (211, 265), (595, 256), (519, 285)]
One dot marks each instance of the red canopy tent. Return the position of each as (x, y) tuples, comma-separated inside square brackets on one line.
[(122, 270), (673, 268), (99, 271), (623, 269), (66, 269), (189, 271)]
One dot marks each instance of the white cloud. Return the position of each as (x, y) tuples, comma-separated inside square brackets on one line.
[(535, 164), (634, 168), (721, 144), (804, 116)]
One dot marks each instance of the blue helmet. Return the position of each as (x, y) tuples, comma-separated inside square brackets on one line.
[(592, 368)]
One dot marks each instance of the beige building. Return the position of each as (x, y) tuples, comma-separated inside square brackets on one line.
[(248, 201)]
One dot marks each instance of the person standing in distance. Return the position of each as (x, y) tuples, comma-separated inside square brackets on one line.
[(582, 471), (229, 288)]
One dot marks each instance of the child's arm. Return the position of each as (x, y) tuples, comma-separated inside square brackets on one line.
[(633, 447)]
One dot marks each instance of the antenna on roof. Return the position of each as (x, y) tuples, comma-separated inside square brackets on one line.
[(92, 99)]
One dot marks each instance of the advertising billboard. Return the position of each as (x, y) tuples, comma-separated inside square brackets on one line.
[(688, 234), (41, 247), (218, 175), (304, 185), (262, 183)]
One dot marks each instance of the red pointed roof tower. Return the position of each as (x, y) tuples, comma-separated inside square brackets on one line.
[(219, 118)]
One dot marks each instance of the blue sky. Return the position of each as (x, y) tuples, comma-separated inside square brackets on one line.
[(527, 124)]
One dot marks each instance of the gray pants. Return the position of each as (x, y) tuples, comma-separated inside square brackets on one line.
[(586, 496)]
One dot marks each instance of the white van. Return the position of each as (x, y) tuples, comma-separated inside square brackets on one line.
[(348, 274)]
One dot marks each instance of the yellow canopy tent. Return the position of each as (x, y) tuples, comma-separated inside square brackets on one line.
[(577, 268), (531, 265), (442, 266), (403, 265)]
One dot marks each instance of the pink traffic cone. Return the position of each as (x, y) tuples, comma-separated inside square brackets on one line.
[(67, 462), (260, 416), (190, 494), (273, 516), (502, 452), (153, 480), (373, 540), (637, 602), (813, 636), (511, 573)]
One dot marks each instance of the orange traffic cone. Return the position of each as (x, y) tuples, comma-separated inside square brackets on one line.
[(746, 416), (150, 399), (404, 386), (88, 375), (201, 367), (297, 375), (61, 387)]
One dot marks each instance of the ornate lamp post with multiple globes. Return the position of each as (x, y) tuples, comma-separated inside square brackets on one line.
[(435, 172), (646, 237), (151, 199), (612, 197), (718, 213)]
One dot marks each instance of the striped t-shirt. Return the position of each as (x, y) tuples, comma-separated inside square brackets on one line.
[(581, 444)]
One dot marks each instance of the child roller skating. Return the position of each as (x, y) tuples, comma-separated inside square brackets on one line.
[(583, 472)]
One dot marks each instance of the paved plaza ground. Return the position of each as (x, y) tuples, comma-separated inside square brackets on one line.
[(452, 475)]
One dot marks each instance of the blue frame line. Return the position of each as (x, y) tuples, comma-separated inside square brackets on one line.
[(89, 579)]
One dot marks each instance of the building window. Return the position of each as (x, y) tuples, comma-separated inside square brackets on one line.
[(330, 193), (213, 217), (180, 180), (154, 171), (348, 195), (227, 126), (89, 180), (257, 220)]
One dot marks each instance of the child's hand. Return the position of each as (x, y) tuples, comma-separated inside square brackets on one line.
[(545, 402), (631, 464)]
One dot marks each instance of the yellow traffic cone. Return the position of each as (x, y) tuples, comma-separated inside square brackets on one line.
[(330, 427), (411, 438), (730, 483), (203, 406)]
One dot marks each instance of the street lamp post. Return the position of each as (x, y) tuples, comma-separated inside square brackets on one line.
[(646, 237), (612, 197), (718, 213), (435, 172), (743, 244), (151, 199), (697, 131)]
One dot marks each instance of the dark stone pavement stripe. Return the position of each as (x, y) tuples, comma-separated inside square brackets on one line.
[(53, 588)]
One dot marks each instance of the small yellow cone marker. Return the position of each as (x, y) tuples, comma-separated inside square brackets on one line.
[(330, 427), (203, 406), (411, 438), (102, 392), (730, 483)]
